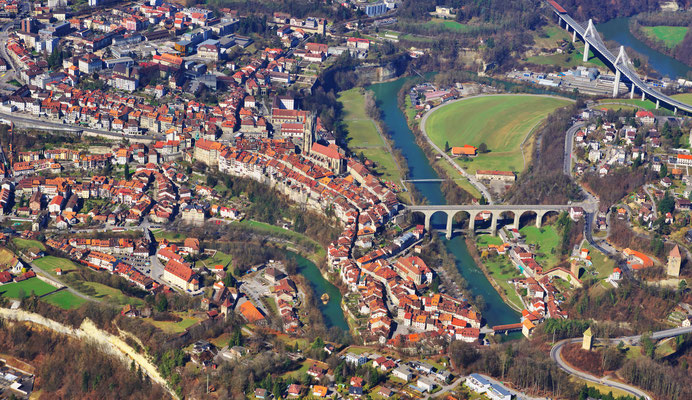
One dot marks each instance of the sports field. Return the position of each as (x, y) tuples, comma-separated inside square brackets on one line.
[(64, 299), (34, 285), (363, 136), (670, 35), (501, 122)]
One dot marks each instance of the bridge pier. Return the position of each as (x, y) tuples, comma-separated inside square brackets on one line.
[(574, 36), (643, 96), (450, 225), (616, 84), (493, 223), (675, 111), (517, 218), (539, 218), (472, 224), (586, 51), (632, 92), (658, 103), (428, 217)]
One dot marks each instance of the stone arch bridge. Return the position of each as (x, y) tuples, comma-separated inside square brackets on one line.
[(496, 212)]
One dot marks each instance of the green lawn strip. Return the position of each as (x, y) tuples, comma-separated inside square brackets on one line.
[(218, 259), (501, 122), (449, 24), (600, 263), (458, 179), (484, 240), (175, 327), (48, 264), (547, 240), (64, 299), (26, 244), (684, 97), (111, 295), (34, 285), (554, 35), (363, 136), (572, 60), (502, 270), (670, 35)]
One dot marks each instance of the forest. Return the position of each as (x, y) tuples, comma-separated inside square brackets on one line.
[(92, 373), (544, 182)]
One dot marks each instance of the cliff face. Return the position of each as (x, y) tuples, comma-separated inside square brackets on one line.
[(381, 72), (88, 331)]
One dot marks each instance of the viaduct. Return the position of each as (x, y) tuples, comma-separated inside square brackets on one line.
[(495, 210), (620, 64)]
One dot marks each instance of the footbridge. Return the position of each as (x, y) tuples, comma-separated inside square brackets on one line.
[(621, 64), (495, 211)]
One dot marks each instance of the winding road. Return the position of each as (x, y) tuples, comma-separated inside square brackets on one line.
[(556, 355)]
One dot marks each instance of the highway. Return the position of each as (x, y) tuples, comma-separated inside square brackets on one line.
[(623, 67), (556, 355)]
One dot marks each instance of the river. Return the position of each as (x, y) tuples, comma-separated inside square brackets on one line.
[(332, 312), (618, 30), (497, 312)]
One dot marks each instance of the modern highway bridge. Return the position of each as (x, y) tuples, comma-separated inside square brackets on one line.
[(620, 63)]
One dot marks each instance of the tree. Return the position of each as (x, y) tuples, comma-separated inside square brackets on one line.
[(162, 303), (664, 171), (483, 148), (127, 172), (667, 204), (447, 147)]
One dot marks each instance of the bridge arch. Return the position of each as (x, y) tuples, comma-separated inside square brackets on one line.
[(505, 218), (526, 218), (547, 217), (461, 219)]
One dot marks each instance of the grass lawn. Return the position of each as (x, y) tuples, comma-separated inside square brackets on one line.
[(65, 299), (449, 24), (112, 295), (175, 327), (35, 285), (363, 136), (601, 263), (219, 258), (168, 235), (684, 97), (501, 122), (26, 244), (670, 35), (49, 263), (502, 270), (602, 388), (268, 228), (567, 60), (484, 240), (297, 374), (547, 240), (553, 35)]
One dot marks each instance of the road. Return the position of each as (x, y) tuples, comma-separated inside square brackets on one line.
[(569, 147), (556, 355), (39, 271), (32, 121)]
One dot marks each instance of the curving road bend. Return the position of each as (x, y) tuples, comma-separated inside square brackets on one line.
[(556, 355)]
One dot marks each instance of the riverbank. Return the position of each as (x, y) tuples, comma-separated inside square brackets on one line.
[(473, 250)]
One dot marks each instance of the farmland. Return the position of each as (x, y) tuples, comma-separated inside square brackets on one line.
[(501, 122)]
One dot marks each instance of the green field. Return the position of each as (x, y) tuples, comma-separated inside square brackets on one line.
[(175, 327), (449, 24), (502, 270), (484, 240), (553, 35), (26, 244), (567, 60), (48, 264), (64, 299), (34, 285), (601, 263), (111, 295), (218, 259), (501, 122), (547, 240), (670, 35), (363, 136)]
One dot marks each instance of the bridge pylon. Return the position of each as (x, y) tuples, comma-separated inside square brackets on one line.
[(590, 31)]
